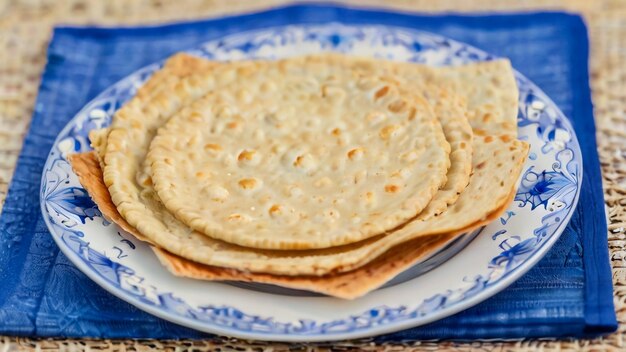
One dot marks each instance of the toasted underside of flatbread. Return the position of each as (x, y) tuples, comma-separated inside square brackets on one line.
[(348, 285), (339, 259)]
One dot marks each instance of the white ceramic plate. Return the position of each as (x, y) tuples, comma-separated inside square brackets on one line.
[(504, 250)]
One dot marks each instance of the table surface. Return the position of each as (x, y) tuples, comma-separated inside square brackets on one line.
[(25, 28)]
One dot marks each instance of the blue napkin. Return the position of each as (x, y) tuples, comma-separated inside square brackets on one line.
[(569, 293)]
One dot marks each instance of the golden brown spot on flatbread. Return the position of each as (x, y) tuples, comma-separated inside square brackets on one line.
[(147, 181), (274, 209), (479, 132), (391, 188), (386, 131), (412, 114), (247, 183), (246, 155), (381, 92), (355, 153), (505, 138), (212, 146), (397, 106), (298, 160)]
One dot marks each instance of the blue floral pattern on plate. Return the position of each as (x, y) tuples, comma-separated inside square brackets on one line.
[(546, 198)]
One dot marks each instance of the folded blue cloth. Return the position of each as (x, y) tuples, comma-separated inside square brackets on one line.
[(569, 293)]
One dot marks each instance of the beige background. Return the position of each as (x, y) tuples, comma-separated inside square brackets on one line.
[(25, 27)]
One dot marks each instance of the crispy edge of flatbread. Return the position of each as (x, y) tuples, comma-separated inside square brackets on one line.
[(87, 167), (348, 285), (175, 68)]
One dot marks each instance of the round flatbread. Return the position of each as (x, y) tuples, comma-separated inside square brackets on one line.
[(300, 154)]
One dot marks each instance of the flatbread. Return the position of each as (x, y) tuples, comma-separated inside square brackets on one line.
[(347, 285), (299, 154), (320, 262)]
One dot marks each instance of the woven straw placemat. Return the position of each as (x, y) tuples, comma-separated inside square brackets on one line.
[(25, 28)]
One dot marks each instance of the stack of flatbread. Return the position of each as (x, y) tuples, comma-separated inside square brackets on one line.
[(326, 173)]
